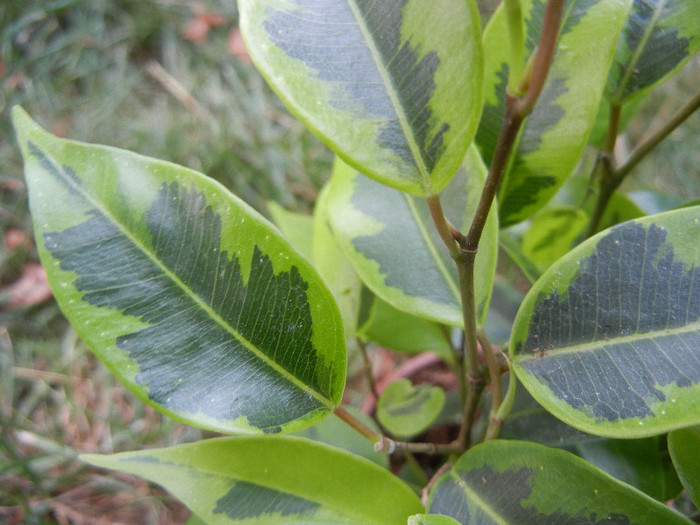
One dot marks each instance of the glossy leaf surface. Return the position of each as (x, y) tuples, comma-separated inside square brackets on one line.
[(684, 444), (642, 463), (511, 482), (607, 339), (394, 88), (658, 38), (391, 241), (529, 421), (271, 479), (406, 410), (189, 296), (555, 134)]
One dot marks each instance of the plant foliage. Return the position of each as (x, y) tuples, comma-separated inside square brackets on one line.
[(445, 137)]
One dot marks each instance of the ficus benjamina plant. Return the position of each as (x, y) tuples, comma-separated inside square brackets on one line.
[(454, 143)]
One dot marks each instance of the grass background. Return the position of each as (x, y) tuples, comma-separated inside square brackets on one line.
[(158, 77)]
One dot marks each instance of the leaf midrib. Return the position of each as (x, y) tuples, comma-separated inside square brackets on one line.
[(180, 284), (392, 93), (598, 344), (477, 499), (432, 248), (636, 55)]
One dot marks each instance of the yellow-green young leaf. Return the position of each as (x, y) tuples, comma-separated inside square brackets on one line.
[(263, 480), (620, 208), (607, 339), (431, 519), (394, 88), (190, 297), (658, 38), (406, 410), (334, 266), (683, 445), (552, 233), (554, 135), (383, 324), (297, 227), (391, 240), (514, 482)]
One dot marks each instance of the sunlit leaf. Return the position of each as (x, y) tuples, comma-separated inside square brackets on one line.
[(514, 482), (391, 240), (394, 88), (271, 479), (189, 296), (607, 339)]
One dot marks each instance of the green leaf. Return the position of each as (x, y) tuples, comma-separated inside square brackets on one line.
[(296, 227), (607, 339), (335, 432), (577, 192), (394, 88), (529, 421), (334, 266), (511, 244), (652, 202), (504, 304), (502, 482), (658, 38), (431, 519), (683, 445), (195, 520), (271, 479), (406, 410), (391, 328), (189, 296), (391, 240), (642, 463), (602, 120), (552, 233), (555, 134)]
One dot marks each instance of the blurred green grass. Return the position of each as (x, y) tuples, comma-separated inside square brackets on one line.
[(98, 71), (122, 73)]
